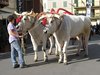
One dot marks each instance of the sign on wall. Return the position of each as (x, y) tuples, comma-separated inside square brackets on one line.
[(88, 9)]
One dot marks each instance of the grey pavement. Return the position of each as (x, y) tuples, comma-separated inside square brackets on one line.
[(77, 65)]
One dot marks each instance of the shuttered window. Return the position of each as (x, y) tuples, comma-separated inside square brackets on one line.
[(65, 3), (54, 5)]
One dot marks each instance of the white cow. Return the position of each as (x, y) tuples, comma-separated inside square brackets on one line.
[(65, 27), (30, 23)]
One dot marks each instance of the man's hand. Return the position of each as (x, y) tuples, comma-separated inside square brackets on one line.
[(20, 36)]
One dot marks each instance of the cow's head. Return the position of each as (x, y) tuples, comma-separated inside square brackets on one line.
[(53, 20), (26, 20)]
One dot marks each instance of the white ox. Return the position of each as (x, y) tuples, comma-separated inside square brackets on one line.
[(65, 27), (30, 23)]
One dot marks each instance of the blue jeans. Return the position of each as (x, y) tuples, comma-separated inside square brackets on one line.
[(16, 49)]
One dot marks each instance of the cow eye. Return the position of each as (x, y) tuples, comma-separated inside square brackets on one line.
[(52, 21), (25, 19)]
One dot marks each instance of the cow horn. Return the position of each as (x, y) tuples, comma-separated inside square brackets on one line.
[(49, 15), (16, 13), (43, 16), (56, 15), (24, 13), (36, 14), (40, 14), (30, 12)]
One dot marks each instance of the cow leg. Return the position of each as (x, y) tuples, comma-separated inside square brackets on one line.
[(60, 54), (83, 43), (44, 50), (86, 45), (35, 53), (35, 46), (79, 38), (56, 51), (59, 49), (51, 45), (64, 51), (45, 56), (58, 45), (35, 56)]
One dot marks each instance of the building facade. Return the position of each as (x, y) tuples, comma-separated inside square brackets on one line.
[(78, 7), (4, 3), (4, 46), (55, 4), (82, 9), (28, 5)]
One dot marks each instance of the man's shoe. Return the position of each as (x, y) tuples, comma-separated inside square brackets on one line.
[(15, 65)]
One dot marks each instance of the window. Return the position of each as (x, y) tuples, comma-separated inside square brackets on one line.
[(44, 5), (65, 3), (89, 1), (54, 4)]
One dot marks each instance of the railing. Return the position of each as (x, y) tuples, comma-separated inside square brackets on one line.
[(4, 2)]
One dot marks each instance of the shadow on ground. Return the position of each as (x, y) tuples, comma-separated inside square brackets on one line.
[(94, 53)]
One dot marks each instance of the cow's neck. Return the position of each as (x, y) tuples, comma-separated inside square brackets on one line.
[(61, 30), (32, 24), (59, 25)]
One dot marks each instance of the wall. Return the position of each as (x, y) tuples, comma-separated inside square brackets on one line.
[(48, 5)]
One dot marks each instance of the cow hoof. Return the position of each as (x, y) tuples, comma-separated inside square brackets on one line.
[(59, 61), (56, 54), (65, 62), (49, 53), (77, 54), (83, 50), (85, 55), (45, 60), (35, 60)]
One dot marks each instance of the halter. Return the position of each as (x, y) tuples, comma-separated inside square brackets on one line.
[(44, 21), (19, 19), (32, 24)]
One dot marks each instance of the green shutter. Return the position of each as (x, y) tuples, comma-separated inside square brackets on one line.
[(54, 4), (65, 3), (76, 2)]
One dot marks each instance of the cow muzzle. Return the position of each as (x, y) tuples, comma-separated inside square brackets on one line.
[(45, 31)]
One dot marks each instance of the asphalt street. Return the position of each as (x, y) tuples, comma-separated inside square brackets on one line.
[(77, 65)]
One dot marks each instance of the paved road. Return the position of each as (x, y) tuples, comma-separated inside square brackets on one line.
[(77, 65)]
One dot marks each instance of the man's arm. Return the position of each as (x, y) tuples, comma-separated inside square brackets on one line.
[(14, 33)]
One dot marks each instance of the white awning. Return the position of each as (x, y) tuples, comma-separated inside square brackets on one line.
[(5, 12), (4, 15), (7, 9)]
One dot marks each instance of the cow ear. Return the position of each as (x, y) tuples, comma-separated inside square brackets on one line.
[(43, 16), (36, 14)]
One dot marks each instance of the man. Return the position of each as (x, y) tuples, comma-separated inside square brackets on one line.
[(15, 45)]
